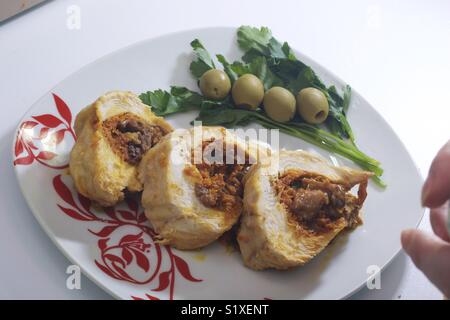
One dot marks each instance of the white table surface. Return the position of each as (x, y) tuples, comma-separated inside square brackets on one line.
[(395, 53)]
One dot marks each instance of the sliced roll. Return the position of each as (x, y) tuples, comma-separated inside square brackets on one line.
[(193, 185), (294, 206), (113, 133)]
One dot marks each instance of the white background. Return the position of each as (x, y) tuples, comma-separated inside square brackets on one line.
[(395, 53)]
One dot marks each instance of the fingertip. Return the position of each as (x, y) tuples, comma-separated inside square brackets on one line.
[(425, 192), (417, 245), (406, 237), (436, 189), (438, 220)]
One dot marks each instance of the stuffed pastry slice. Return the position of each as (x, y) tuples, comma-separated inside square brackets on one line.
[(113, 133), (294, 206), (193, 185)]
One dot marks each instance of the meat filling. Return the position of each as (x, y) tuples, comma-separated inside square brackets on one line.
[(315, 202), (130, 137), (221, 186)]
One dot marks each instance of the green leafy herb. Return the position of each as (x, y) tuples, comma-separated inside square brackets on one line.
[(257, 66), (254, 39), (203, 61), (179, 99), (346, 100), (227, 67), (214, 114), (294, 73), (302, 80), (256, 42), (275, 64)]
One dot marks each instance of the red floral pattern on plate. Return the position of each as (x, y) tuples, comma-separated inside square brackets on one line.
[(132, 256), (147, 297), (52, 133), (132, 250)]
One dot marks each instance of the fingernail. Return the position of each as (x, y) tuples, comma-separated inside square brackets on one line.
[(448, 218), (405, 239), (425, 191)]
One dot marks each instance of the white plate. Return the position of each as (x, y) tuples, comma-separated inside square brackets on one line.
[(115, 249)]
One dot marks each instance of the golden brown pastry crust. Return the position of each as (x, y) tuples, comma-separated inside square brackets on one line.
[(98, 171)]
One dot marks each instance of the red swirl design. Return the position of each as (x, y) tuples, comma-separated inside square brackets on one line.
[(52, 133), (132, 250), (129, 248)]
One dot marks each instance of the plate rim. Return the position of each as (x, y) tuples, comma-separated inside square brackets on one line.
[(87, 273)]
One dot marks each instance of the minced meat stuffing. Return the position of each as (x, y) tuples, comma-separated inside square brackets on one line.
[(130, 137), (315, 202), (221, 186)]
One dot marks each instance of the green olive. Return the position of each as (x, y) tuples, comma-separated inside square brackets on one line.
[(248, 91), (279, 104), (215, 84), (312, 105)]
